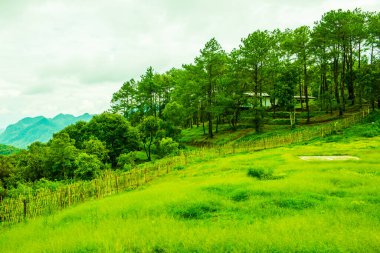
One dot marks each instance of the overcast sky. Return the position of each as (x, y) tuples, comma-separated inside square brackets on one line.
[(69, 56)]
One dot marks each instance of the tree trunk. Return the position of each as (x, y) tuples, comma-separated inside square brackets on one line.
[(301, 100), (306, 90), (343, 74), (360, 85), (210, 134), (203, 125), (350, 85), (209, 114), (217, 124), (336, 82)]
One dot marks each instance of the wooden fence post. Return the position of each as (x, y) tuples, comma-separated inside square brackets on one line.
[(69, 191), (25, 208), (117, 184)]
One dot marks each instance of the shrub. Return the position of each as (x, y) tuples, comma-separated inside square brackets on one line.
[(127, 161), (179, 167), (168, 147), (89, 167), (240, 195), (260, 173), (295, 203), (195, 210)]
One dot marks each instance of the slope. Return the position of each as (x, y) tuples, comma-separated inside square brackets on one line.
[(214, 206)]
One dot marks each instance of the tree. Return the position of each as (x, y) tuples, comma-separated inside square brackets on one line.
[(76, 132), (127, 161), (95, 147), (115, 131), (7, 168), (34, 163), (124, 100), (88, 167), (149, 129), (299, 45), (174, 113), (61, 157), (168, 147), (255, 51), (148, 93), (212, 62)]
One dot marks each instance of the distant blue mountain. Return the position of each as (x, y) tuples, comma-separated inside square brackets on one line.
[(29, 130)]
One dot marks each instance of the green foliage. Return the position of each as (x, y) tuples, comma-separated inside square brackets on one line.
[(195, 210), (260, 173), (149, 130), (34, 163), (127, 161), (7, 168), (174, 113), (95, 147), (336, 61), (167, 147), (123, 101), (296, 203), (179, 167), (8, 150), (116, 132), (88, 167), (212, 206), (61, 157)]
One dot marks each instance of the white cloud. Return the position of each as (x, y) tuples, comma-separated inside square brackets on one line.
[(68, 56)]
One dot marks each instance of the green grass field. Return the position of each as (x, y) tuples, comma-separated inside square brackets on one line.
[(214, 206)]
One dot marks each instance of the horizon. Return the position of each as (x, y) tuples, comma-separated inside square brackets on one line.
[(50, 117), (68, 57)]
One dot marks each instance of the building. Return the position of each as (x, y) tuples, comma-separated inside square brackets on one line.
[(264, 96)]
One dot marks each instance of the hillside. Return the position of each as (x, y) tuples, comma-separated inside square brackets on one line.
[(29, 130), (213, 205)]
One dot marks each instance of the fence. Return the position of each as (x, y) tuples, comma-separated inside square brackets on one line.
[(45, 201)]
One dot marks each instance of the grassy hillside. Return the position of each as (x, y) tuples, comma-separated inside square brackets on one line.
[(195, 136), (214, 206)]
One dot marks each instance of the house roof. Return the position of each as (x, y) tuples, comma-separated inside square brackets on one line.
[(252, 94), (264, 94), (303, 97)]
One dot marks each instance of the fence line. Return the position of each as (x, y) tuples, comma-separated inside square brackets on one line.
[(46, 201)]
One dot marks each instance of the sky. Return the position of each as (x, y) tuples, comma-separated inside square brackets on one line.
[(69, 56)]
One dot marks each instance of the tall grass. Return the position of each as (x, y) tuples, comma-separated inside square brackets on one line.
[(214, 206)]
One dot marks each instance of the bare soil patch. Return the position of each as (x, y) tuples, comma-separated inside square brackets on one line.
[(329, 158)]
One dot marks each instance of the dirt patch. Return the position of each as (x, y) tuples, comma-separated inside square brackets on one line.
[(329, 158)]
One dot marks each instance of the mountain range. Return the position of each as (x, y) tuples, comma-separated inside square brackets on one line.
[(29, 130)]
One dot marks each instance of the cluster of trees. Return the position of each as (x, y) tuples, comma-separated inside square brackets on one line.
[(7, 150), (83, 150), (336, 61)]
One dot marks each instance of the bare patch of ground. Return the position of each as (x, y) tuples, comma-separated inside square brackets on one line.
[(329, 158)]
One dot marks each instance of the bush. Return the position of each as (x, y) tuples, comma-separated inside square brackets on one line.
[(179, 167), (89, 167), (260, 173), (168, 147), (240, 195), (127, 161), (195, 210)]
